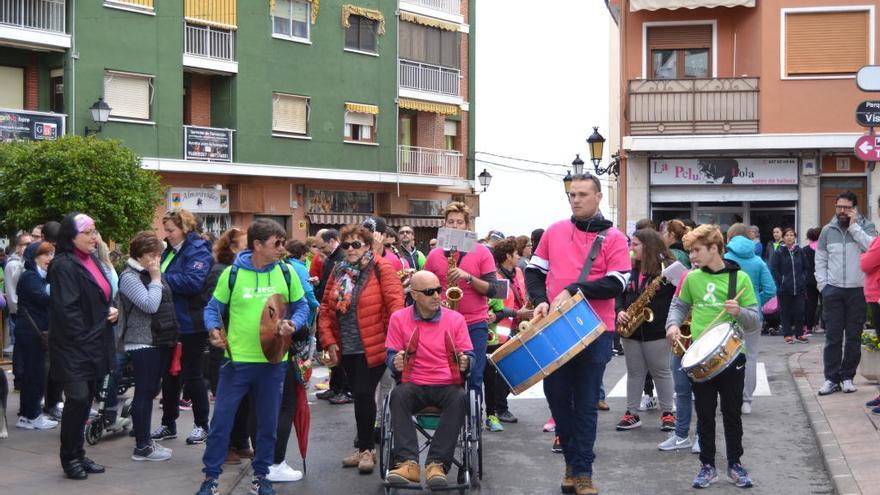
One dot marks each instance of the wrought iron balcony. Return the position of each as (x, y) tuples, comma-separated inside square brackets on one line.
[(41, 15), (428, 161)]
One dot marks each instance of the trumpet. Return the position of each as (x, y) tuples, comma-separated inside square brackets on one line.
[(453, 292)]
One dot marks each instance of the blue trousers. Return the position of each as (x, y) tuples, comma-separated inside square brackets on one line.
[(32, 373), (683, 400), (479, 338), (573, 393), (264, 381), (149, 366)]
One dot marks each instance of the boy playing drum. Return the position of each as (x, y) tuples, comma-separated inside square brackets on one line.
[(706, 293)]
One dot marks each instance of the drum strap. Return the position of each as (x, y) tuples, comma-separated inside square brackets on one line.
[(594, 251), (731, 284)]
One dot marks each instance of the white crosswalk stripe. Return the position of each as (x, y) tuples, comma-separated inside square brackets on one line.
[(762, 388)]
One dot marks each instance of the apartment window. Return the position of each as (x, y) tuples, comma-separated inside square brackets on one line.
[(361, 34), (56, 95), (360, 127), (429, 45), (290, 19), (680, 52), (826, 43), (11, 87), (290, 114), (450, 132), (129, 95)]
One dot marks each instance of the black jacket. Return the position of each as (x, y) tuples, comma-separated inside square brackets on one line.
[(810, 267), (81, 340), (33, 298), (787, 266), (660, 303)]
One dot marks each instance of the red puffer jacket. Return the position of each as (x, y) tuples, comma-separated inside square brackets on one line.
[(376, 303)]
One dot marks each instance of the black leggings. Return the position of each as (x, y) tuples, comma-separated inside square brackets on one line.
[(192, 353), (363, 381), (285, 416), (78, 397)]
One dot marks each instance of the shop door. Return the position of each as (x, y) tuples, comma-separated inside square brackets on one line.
[(767, 220), (722, 218), (831, 187), (282, 220)]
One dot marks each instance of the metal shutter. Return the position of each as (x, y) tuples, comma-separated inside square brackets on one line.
[(679, 37), (290, 114), (11, 88), (359, 118), (450, 128), (128, 95), (826, 42)]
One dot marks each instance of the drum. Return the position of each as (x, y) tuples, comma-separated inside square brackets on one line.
[(538, 351), (713, 352)]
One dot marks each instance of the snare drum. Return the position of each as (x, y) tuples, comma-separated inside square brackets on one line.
[(535, 353), (713, 352)]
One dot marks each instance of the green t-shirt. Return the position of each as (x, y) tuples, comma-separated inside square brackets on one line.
[(706, 292), (248, 306)]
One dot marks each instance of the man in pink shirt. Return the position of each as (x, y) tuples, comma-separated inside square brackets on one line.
[(475, 275), (428, 348), (555, 273)]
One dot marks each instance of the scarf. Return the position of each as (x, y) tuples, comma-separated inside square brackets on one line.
[(347, 275)]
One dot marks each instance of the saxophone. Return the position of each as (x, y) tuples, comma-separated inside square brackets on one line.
[(453, 292), (640, 312)]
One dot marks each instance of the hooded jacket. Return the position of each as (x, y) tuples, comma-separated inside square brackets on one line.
[(838, 253), (186, 274), (33, 295), (788, 270), (742, 250)]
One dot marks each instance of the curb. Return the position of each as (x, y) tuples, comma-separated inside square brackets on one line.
[(835, 462)]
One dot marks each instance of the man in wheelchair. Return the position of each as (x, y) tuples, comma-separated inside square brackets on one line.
[(429, 349)]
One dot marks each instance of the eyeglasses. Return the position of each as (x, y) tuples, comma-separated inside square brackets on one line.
[(278, 243), (404, 232), (90, 233), (843, 207), (430, 292), (352, 244)]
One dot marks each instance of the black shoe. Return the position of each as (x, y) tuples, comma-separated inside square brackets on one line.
[(74, 470), (91, 466), (507, 417), (325, 395)]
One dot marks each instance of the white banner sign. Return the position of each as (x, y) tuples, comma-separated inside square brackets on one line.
[(462, 240), (736, 171), (199, 200)]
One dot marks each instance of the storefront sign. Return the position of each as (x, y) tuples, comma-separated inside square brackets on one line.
[(199, 200), (340, 202), (736, 171), (207, 144), (16, 125)]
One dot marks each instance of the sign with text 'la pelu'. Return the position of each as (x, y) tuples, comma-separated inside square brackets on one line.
[(868, 114), (718, 170)]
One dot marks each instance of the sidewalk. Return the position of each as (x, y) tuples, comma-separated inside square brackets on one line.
[(846, 431)]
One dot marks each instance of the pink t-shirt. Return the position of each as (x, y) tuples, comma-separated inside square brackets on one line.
[(473, 305), (431, 366), (565, 248), (394, 259)]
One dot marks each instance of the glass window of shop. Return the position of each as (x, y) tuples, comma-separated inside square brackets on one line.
[(764, 214)]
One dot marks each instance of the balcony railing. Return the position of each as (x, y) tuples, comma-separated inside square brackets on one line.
[(446, 6), (428, 161), (42, 15), (429, 78), (693, 106), (209, 42)]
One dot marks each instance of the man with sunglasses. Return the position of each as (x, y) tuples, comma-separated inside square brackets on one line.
[(413, 257), (428, 349)]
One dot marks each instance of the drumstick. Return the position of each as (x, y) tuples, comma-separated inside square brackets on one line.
[(725, 310)]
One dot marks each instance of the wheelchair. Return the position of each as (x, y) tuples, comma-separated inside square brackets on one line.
[(468, 459)]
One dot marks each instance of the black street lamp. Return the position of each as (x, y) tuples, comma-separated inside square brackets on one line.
[(100, 114), (566, 181), (577, 165), (485, 179), (597, 143)]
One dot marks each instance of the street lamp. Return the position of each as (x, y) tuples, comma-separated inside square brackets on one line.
[(566, 181), (485, 179), (100, 114), (577, 165), (597, 143)]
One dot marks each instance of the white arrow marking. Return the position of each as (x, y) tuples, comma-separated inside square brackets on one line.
[(865, 147)]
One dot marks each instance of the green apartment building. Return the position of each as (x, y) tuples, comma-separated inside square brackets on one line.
[(315, 113)]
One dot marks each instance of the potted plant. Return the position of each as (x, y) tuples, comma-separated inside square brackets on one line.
[(869, 366)]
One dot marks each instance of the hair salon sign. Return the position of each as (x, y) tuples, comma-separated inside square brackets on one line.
[(736, 171)]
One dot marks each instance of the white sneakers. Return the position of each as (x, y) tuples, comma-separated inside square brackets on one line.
[(279, 473), (648, 403), (847, 386), (40, 423), (675, 442), (747, 408)]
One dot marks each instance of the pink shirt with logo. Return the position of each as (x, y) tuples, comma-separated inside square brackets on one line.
[(473, 305), (430, 365), (565, 248)]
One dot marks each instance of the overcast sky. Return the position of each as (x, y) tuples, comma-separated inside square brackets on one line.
[(541, 84)]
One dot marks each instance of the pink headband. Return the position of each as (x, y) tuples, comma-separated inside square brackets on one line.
[(83, 222)]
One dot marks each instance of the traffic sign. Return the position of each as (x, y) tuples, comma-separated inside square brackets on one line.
[(868, 114), (868, 148), (868, 78)]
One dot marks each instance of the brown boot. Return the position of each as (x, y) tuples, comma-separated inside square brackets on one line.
[(435, 475), (405, 472), (583, 485), (232, 458), (567, 481), (353, 459), (367, 461), (245, 453), (603, 406)]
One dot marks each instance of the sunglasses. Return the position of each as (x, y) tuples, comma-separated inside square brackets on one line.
[(278, 243), (352, 244), (430, 292)]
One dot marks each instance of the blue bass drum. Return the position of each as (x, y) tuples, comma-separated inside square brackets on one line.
[(543, 347)]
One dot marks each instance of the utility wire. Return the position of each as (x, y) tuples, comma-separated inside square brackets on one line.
[(522, 159), (551, 175)]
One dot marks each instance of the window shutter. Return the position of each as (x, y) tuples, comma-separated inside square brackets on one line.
[(826, 42), (359, 118), (11, 87), (679, 37), (128, 95), (450, 128), (290, 114), (300, 11)]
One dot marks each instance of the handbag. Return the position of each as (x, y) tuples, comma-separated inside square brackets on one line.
[(44, 336), (771, 307)]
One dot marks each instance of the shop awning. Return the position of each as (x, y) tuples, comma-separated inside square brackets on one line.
[(336, 218), (428, 106), (636, 5), (415, 222), (428, 21), (362, 108)]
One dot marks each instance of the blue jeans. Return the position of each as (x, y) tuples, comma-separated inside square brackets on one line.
[(683, 401), (479, 338), (149, 366), (573, 393), (264, 381)]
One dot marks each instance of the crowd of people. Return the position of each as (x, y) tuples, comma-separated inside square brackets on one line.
[(237, 321)]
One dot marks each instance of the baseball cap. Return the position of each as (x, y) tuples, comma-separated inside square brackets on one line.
[(496, 235), (375, 224)]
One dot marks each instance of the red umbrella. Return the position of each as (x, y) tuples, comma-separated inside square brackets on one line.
[(302, 418)]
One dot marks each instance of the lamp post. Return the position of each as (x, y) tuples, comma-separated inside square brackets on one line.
[(577, 165), (597, 143), (100, 114), (485, 179), (566, 182)]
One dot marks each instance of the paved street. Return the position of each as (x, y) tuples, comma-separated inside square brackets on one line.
[(781, 451)]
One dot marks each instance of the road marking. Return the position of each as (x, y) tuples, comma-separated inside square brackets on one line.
[(762, 387)]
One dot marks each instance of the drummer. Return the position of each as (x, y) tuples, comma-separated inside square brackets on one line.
[(555, 274), (707, 293)]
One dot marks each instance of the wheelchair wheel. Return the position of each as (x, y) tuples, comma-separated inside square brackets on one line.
[(474, 439), (385, 441), (94, 430)]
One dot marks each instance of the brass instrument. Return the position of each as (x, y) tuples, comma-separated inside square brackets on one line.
[(681, 344), (640, 312), (453, 292)]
